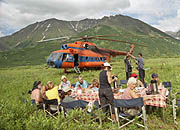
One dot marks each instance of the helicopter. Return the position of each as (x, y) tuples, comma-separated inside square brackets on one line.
[(83, 54)]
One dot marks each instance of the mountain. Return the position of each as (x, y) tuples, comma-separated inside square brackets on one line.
[(174, 34), (22, 46)]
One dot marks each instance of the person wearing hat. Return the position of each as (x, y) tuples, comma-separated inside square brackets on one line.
[(140, 63), (139, 83), (66, 92), (105, 90), (64, 82), (36, 93), (156, 77)]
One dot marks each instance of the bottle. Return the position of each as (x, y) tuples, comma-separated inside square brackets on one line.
[(154, 87), (79, 89)]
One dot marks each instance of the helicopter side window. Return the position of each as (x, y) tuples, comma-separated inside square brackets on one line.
[(87, 58), (91, 59), (59, 57), (64, 57)]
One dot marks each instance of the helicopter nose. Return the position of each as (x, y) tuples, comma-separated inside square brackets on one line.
[(51, 63)]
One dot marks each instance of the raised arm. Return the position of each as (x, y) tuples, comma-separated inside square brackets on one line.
[(131, 56), (110, 80)]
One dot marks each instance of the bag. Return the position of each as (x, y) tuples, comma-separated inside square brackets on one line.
[(131, 112)]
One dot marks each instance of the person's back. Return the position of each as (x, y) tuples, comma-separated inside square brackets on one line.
[(103, 80), (36, 96), (53, 93)]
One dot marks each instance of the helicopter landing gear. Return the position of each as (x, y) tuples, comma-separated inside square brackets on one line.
[(77, 69)]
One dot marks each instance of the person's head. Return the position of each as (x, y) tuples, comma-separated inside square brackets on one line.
[(107, 66), (63, 78), (50, 84), (67, 90), (37, 84), (95, 83), (139, 54), (80, 79), (155, 77), (132, 82), (134, 75)]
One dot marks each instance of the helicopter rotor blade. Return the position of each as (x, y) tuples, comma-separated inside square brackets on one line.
[(52, 39), (120, 41)]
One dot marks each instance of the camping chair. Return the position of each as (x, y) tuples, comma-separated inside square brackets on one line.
[(51, 107), (123, 82), (169, 93), (127, 104), (66, 106), (176, 104), (168, 86), (95, 112)]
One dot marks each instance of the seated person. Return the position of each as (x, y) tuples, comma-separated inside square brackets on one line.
[(139, 83), (64, 82), (94, 85), (43, 91), (156, 77), (52, 93), (36, 96), (129, 93), (82, 83), (65, 95)]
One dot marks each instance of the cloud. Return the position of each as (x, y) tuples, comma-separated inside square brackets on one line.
[(161, 14), (1, 35), (17, 14), (20, 13)]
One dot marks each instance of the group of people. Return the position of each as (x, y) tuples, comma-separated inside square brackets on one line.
[(52, 91), (140, 68), (103, 85)]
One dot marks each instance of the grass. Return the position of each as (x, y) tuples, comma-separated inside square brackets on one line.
[(16, 111)]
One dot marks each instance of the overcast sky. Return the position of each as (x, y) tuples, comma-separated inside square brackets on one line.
[(16, 14)]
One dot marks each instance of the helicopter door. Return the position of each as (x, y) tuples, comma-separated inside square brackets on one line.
[(76, 60)]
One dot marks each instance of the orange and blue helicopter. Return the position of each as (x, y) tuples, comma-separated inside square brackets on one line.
[(83, 54)]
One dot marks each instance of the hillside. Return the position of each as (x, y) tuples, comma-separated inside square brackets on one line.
[(24, 49)]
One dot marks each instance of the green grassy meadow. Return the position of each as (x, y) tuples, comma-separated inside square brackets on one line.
[(17, 113)]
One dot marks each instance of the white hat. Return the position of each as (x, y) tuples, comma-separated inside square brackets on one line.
[(106, 64), (63, 77), (66, 89)]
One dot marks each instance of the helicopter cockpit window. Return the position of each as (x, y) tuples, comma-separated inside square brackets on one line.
[(53, 56)]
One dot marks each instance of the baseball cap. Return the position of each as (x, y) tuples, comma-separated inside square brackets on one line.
[(134, 75), (154, 75)]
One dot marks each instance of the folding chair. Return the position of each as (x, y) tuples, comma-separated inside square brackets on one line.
[(51, 107), (123, 82), (176, 104), (168, 86), (127, 104), (169, 93)]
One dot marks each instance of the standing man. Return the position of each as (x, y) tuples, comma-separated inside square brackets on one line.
[(105, 91), (128, 67), (140, 66)]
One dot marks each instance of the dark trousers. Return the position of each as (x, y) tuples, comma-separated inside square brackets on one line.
[(106, 97), (142, 75), (128, 74)]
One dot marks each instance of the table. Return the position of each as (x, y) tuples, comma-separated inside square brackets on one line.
[(159, 100)]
